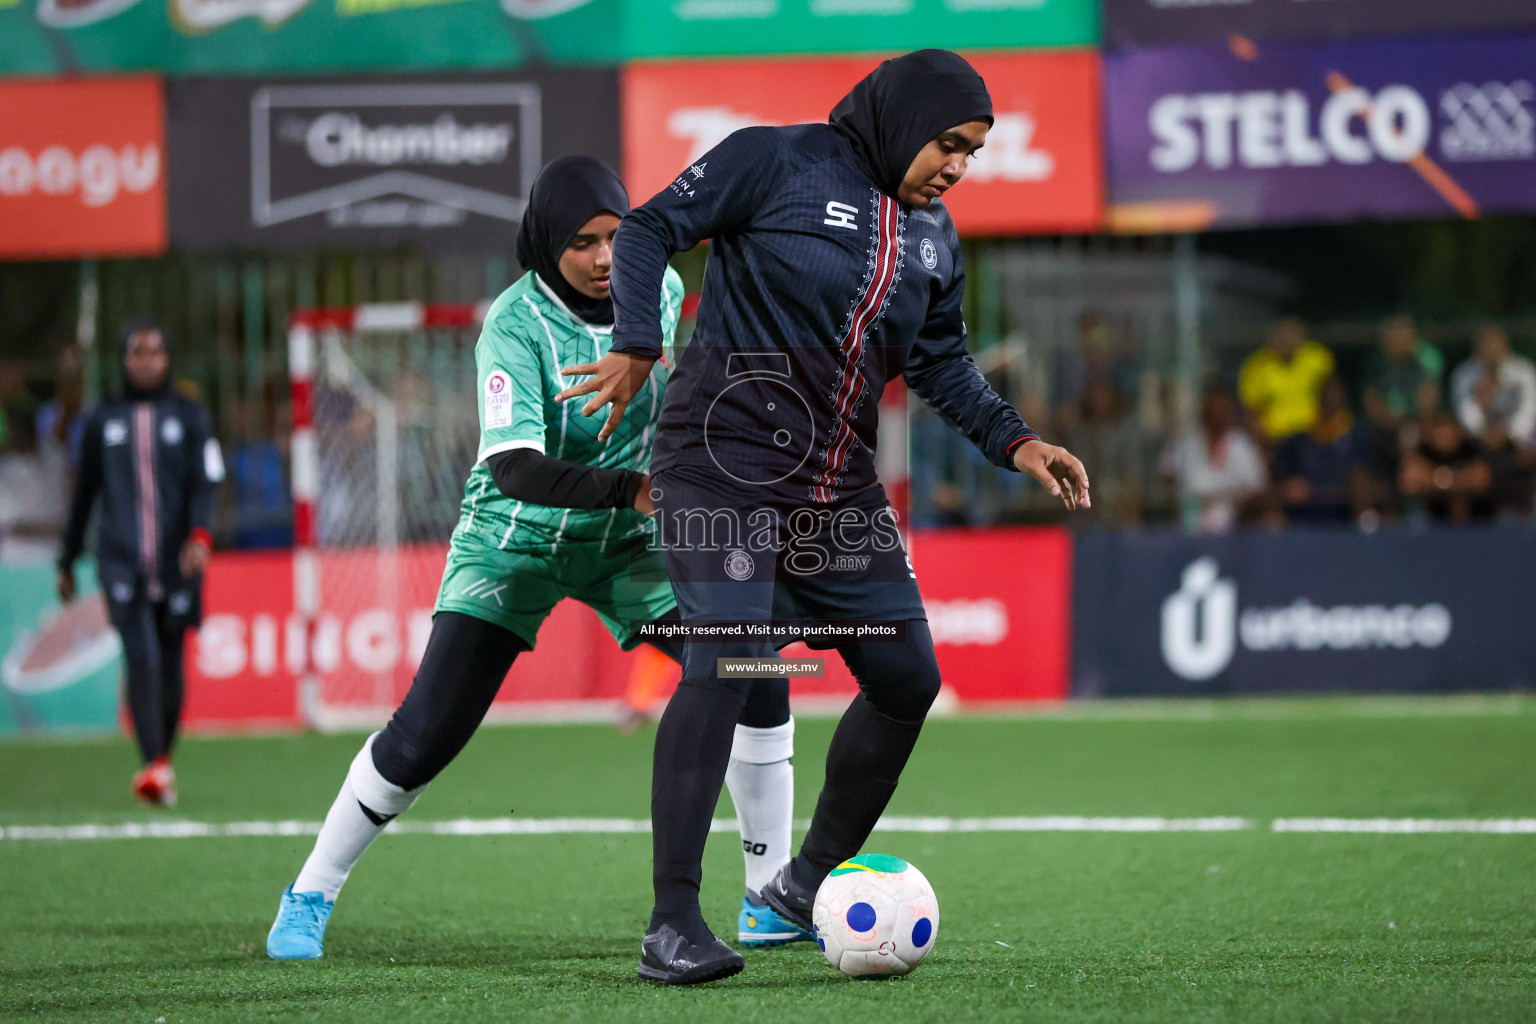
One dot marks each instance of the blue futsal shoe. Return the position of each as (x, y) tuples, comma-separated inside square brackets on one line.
[(760, 925), (299, 931)]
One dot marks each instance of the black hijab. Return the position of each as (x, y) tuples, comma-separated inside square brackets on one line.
[(567, 193), (132, 327), (902, 105)]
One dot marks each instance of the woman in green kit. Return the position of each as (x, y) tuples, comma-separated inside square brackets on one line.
[(549, 512)]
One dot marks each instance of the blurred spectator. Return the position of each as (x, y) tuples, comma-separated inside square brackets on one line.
[(1217, 462), (948, 506), (258, 469), (1448, 473), (347, 440), (1404, 380), (59, 420), (1494, 392), (16, 402), (1108, 438), (1098, 358), (1280, 381), (32, 484), (1318, 473)]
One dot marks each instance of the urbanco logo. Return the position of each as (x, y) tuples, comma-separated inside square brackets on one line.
[(1202, 626), (1199, 633)]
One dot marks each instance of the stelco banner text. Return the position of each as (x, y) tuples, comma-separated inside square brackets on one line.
[(1289, 133)]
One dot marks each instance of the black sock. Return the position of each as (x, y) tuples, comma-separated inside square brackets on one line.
[(864, 762), (693, 746)]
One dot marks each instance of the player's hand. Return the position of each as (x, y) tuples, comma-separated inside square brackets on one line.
[(643, 502), (1057, 469), (66, 585), (194, 558), (615, 379)]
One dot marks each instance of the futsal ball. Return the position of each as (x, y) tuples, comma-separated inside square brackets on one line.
[(875, 916)]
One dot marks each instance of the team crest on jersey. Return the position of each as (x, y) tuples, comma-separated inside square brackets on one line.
[(498, 400), (115, 432), (171, 430), (929, 253), (739, 565)]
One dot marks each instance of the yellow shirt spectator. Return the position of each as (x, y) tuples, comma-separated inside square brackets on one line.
[(1281, 382)]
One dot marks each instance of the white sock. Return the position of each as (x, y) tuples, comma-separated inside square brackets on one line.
[(348, 829), (762, 784)]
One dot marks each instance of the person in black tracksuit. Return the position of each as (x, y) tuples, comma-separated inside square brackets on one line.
[(833, 268), (150, 457)]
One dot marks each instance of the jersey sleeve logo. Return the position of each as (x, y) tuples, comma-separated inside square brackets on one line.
[(929, 253), (498, 400)]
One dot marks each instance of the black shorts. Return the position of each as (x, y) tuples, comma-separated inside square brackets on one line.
[(740, 552)]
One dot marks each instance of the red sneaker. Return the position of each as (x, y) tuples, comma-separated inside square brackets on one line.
[(155, 783)]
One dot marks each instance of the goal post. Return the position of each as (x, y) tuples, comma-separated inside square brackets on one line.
[(384, 431)]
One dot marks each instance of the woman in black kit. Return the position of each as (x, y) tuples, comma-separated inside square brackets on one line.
[(834, 268), (149, 457)]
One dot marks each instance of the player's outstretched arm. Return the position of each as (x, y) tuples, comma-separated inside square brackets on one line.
[(717, 194), (1058, 470)]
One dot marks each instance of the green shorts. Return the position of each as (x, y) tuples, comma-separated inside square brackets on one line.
[(627, 586)]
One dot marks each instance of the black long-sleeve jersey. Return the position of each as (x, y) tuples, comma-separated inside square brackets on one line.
[(819, 289), (155, 466)]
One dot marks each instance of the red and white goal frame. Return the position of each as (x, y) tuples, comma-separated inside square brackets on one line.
[(306, 330)]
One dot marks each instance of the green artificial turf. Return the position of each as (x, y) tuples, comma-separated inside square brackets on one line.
[(1227, 926)]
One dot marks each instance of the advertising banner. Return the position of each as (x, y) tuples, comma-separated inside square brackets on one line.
[(1000, 637), (1040, 171), (1291, 133), (1129, 23), (1163, 613), (59, 667), (213, 37), (82, 168), (445, 162), (679, 28)]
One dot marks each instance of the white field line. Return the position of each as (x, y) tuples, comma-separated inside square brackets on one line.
[(630, 826), (1399, 826)]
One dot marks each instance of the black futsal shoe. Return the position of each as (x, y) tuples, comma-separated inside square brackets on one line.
[(669, 958), (792, 900)]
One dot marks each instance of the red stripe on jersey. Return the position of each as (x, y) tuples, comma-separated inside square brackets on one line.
[(866, 313), (149, 519)]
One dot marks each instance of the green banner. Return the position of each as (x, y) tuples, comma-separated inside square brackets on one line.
[(678, 28), (207, 37), (59, 667), (222, 37)]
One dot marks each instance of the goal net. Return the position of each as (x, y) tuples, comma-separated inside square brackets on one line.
[(385, 432)]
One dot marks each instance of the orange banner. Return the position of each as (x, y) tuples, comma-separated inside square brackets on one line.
[(1040, 172), (82, 168)]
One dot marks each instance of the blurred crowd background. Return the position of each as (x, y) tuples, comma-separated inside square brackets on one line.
[(1261, 266), (1383, 416)]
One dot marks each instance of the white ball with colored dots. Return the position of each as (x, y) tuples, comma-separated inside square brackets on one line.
[(876, 916)]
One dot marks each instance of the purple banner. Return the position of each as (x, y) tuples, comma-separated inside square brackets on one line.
[(1201, 137), (1129, 23)]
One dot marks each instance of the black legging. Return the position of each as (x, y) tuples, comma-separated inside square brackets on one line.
[(897, 684), (152, 647), (464, 665)]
